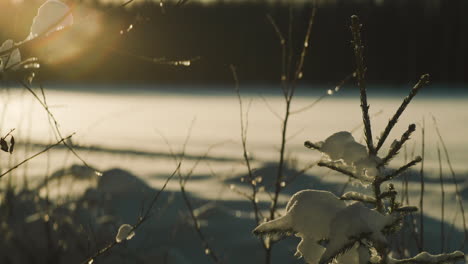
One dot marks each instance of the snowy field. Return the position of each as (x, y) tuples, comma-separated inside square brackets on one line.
[(129, 128)]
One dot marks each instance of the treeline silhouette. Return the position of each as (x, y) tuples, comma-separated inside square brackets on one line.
[(403, 40)]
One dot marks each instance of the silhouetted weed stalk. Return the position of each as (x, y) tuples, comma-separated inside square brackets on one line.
[(367, 237), (289, 77)]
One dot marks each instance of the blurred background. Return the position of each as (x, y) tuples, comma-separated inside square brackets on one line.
[(403, 40)]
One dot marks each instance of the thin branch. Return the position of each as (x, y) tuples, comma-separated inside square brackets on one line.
[(401, 170), (279, 176), (371, 117), (356, 27), (208, 249), (140, 221), (244, 147), (398, 144), (300, 64), (283, 54), (338, 169), (35, 155), (58, 133), (270, 107), (423, 81)]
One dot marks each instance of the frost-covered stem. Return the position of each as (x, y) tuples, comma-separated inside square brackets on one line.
[(361, 76), (423, 81), (401, 169), (396, 148), (421, 197), (442, 207), (338, 169), (355, 196), (457, 191)]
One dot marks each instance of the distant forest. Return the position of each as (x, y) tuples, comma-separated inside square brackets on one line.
[(403, 40)]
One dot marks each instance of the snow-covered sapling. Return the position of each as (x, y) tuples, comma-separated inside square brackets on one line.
[(334, 232)]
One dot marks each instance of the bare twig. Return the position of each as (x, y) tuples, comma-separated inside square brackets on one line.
[(244, 148), (140, 220), (58, 133), (283, 54), (208, 249), (35, 155), (270, 107)]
